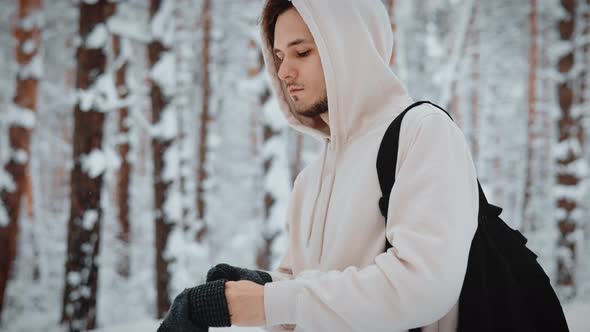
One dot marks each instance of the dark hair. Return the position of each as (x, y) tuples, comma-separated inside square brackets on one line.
[(271, 12)]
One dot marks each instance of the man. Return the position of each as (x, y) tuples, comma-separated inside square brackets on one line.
[(328, 62)]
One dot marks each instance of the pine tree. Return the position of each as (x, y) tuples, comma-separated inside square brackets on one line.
[(22, 119), (568, 155), (164, 144), (81, 276)]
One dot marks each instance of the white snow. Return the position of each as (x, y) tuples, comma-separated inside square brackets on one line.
[(33, 69), (16, 115), (29, 46), (98, 161), (89, 219), (130, 23), (6, 181), (74, 278), (570, 145), (173, 206), (163, 73), (167, 127), (98, 37), (20, 156), (162, 24), (578, 316), (102, 96), (34, 19)]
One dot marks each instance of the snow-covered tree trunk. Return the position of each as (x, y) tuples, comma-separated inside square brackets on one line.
[(528, 219), (15, 181), (205, 116), (81, 276), (123, 175), (186, 54), (168, 210), (584, 273), (271, 138), (158, 54), (568, 158)]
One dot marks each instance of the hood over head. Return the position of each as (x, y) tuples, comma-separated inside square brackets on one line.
[(355, 43)]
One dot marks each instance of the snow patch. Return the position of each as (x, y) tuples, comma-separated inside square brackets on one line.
[(129, 24), (20, 156), (163, 73), (29, 46), (167, 127), (98, 161), (19, 116), (6, 181), (97, 38), (33, 20), (89, 219), (162, 24), (102, 96), (74, 278), (33, 69), (577, 314)]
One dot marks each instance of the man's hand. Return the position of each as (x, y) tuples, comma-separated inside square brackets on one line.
[(245, 301)]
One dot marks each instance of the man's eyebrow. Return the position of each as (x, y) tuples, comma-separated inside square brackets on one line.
[(293, 43)]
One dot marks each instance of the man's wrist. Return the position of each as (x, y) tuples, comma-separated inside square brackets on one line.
[(208, 305)]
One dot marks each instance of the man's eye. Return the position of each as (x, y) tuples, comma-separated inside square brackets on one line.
[(302, 54)]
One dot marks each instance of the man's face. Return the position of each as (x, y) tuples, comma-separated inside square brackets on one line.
[(299, 64)]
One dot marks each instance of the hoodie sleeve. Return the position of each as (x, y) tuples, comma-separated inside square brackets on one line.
[(432, 218)]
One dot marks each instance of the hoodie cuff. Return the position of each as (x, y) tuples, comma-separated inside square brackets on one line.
[(280, 301)]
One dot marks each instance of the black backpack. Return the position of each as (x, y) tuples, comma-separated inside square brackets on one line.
[(504, 289)]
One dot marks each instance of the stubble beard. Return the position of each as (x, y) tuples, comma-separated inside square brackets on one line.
[(319, 107)]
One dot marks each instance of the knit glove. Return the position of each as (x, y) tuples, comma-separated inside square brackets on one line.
[(234, 273), (198, 308)]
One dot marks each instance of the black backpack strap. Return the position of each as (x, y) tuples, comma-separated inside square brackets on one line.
[(387, 162)]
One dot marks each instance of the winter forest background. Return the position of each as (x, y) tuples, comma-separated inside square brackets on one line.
[(140, 143)]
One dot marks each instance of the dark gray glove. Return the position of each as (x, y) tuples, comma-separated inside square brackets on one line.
[(234, 273), (198, 308)]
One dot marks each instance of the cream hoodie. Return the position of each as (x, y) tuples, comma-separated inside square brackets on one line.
[(336, 275)]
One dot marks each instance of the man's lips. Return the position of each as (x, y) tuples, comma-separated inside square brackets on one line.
[(294, 90)]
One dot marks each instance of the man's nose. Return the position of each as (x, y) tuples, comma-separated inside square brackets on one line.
[(286, 71)]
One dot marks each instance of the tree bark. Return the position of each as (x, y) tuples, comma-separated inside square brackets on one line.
[(268, 132), (205, 118), (162, 144), (527, 221), (124, 172), (570, 135), (28, 38), (81, 275)]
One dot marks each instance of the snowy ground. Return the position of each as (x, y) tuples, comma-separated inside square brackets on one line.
[(578, 316)]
